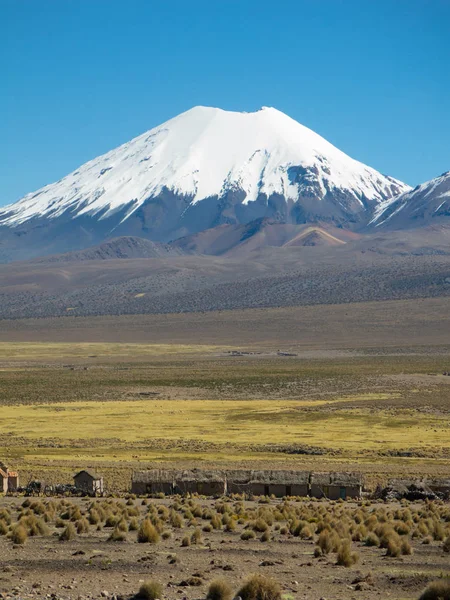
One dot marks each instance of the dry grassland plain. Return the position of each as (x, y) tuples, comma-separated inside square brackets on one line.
[(116, 406)]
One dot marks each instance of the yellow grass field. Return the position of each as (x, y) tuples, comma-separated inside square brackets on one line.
[(229, 421)]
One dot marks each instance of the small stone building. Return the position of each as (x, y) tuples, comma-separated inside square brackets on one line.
[(336, 485), (9, 480), (196, 481), (280, 483), (239, 481), (153, 481), (3, 481), (13, 481), (88, 481)]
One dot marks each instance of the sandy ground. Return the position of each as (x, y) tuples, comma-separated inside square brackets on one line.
[(92, 567)]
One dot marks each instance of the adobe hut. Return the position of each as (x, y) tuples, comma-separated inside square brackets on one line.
[(9, 480), (13, 481), (239, 482), (3, 481), (154, 481), (336, 485), (88, 481), (280, 483), (196, 481)]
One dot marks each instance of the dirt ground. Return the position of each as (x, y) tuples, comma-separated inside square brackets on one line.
[(90, 566)]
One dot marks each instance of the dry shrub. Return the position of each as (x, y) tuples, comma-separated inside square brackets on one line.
[(5, 516), (117, 535), (176, 520), (265, 536), (196, 536), (260, 525), (82, 525), (19, 534), (133, 525), (150, 590), (231, 525), (147, 533), (94, 516), (393, 548), (306, 533), (122, 525), (69, 533), (3, 527), (405, 547), (248, 535), (437, 590), (345, 557), (446, 544), (111, 520), (216, 521), (219, 589), (186, 541), (260, 587), (34, 526), (327, 541), (371, 539)]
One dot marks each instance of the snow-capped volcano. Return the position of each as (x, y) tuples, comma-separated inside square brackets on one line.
[(426, 204), (202, 168)]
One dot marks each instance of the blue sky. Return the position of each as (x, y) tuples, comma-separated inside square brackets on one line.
[(80, 77)]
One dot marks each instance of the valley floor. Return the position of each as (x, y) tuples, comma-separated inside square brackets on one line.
[(355, 387)]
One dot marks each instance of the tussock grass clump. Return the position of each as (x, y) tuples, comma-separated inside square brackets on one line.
[(196, 536), (3, 527), (219, 589), (231, 525), (260, 525), (147, 533), (371, 539), (19, 534), (437, 590), (345, 557), (260, 587), (117, 535), (133, 525), (393, 548), (405, 547), (82, 525), (176, 520), (186, 541), (248, 535), (446, 544), (150, 590), (69, 533), (5, 516)]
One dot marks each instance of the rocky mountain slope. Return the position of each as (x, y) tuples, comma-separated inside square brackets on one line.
[(425, 205)]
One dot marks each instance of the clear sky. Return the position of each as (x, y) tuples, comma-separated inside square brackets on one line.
[(80, 77)]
